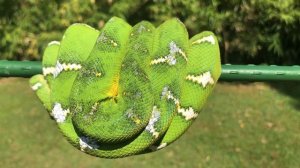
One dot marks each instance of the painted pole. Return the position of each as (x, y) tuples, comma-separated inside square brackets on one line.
[(229, 72)]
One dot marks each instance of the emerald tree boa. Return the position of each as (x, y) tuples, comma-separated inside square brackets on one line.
[(127, 90)]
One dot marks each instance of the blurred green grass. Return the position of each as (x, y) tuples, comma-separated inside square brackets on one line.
[(242, 125)]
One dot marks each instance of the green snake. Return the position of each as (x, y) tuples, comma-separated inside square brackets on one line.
[(127, 90)]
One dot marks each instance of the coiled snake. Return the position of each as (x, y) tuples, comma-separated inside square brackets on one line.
[(127, 90)]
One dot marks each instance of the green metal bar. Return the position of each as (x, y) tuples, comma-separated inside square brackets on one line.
[(229, 72), (19, 68), (260, 73)]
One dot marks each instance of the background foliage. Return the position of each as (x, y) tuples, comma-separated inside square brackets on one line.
[(249, 31)]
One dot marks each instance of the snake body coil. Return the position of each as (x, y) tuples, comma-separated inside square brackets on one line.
[(127, 90)]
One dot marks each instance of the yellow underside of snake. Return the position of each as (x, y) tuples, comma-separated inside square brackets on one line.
[(127, 90)]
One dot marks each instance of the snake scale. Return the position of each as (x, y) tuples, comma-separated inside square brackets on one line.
[(127, 90)]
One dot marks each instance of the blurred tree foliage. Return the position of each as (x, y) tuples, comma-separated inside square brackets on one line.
[(249, 31)]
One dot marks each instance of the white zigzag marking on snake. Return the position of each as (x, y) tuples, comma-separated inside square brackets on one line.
[(36, 86), (186, 113), (54, 43), (59, 67), (154, 148), (86, 142), (58, 113), (154, 118), (170, 58), (167, 93), (202, 79), (210, 39), (161, 146)]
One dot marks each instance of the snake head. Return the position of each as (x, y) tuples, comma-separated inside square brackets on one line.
[(126, 90)]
